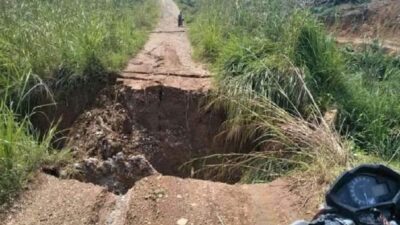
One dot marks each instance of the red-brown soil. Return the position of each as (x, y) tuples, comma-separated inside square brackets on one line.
[(360, 24), (156, 200)]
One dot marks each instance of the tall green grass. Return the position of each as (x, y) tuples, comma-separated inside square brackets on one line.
[(21, 152), (371, 113), (273, 64), (60, 40), (281, 53), (49, 48)]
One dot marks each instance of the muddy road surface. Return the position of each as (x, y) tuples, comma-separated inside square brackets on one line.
[(130, 147)]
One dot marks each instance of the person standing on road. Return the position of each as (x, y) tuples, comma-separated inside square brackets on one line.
[(180, 19)]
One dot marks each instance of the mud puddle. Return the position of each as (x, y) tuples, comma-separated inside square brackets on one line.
[(130, 134)]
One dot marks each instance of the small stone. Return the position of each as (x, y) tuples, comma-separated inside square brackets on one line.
[(63, 174), (179, 196), (182, 221)]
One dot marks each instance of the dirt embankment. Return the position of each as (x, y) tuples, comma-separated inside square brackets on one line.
[(138, 132), (361, 23)]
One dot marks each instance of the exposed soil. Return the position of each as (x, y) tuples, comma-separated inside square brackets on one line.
[(360, 24), (167, 58), (157, 112), (139, 132), (166, 125), (157, 200)]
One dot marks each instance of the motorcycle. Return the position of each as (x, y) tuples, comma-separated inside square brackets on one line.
[(366, 195)]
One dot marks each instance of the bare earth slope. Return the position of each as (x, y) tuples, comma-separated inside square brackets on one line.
[(160, 200)]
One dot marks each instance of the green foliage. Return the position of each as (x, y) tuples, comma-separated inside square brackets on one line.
[(48, 38), (274, 51), (260, 66), (65, 43), (318, 55), (268, 142), (22, 151), (270, 62)]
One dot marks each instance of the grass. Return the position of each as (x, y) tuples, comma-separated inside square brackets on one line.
[(59, 40), (21, 152), (273, 65), (49, 49), (285, 58)]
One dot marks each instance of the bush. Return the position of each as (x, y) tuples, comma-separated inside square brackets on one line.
[(371, 112), (20, 152)]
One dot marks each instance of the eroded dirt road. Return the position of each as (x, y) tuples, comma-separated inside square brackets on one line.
[(167, 58), (163, 79)]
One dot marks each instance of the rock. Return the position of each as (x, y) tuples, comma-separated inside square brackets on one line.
[(182, 221), (118, 173)]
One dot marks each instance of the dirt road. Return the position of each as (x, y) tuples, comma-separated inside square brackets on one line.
[(159, 200), (164, 62), (167, 58)]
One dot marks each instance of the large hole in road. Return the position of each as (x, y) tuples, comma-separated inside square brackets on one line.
[(167, 126)]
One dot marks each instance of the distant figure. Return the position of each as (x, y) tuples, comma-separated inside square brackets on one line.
[(180, 19)]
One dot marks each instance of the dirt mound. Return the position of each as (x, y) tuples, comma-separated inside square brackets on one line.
[(103, 131), (118, 173)]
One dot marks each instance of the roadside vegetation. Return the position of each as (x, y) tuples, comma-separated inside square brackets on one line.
[(51, 48), (294, 98)]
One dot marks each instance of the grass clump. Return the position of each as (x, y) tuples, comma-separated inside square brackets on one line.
[(21, 152), (275, 72), (292, 67), (271, 142)]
